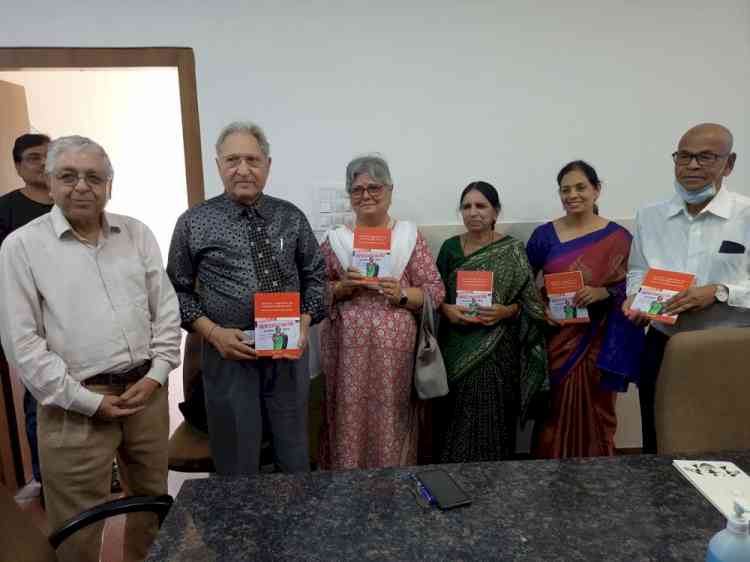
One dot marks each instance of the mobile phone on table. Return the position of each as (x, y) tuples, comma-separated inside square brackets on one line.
[(441, 486)]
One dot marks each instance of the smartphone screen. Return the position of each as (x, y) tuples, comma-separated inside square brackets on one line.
[(444, 489)]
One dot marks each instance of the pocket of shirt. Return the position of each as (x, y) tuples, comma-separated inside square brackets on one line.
[(730, 247), (728, 267)]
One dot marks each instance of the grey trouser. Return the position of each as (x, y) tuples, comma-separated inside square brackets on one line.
[(235, 393)]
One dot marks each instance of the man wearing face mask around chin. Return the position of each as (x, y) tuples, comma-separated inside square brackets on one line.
[(702, 230)]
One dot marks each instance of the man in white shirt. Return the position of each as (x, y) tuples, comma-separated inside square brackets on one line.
[(91, 325), (704, 230)]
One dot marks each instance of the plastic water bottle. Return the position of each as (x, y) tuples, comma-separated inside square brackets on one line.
[(733, 543)]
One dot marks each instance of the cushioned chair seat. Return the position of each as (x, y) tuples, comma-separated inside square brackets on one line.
[(189, 450), (703, 392)]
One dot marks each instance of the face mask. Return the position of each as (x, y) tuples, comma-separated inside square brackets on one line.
[(695, 197)]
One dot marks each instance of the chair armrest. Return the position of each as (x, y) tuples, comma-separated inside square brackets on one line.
[(154, 504)]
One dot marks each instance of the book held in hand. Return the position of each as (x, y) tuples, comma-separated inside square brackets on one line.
[(561, 291), (657, 288), (372, 252), (474, 289), (718, 481), (277, 325)]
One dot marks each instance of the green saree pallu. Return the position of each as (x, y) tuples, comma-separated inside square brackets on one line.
[(466, 348)]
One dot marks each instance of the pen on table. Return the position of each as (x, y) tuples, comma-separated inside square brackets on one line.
[(282, 243), (423, 491)]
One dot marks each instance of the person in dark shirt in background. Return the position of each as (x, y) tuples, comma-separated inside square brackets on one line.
[(17, 208), (23, 205)]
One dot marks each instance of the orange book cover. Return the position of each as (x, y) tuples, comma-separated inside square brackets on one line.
[(277, 325), (474, 289), (561, 290), (657, 288), (372, 250)]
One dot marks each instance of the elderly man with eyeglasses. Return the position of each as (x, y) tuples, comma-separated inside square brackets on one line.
[(223, 252), (702, 230), (17, 208), (91, 325)]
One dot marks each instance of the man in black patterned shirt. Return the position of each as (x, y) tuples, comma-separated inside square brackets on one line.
[(223, 251)]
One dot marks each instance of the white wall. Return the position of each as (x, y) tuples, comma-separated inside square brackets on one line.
[(448, 91)]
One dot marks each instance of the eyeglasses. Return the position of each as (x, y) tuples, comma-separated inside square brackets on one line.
[(34, 159), (234, 161), (92, 179), (683, 158), (374, 190)]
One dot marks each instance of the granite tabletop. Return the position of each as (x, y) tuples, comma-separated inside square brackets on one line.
[(634, 508)]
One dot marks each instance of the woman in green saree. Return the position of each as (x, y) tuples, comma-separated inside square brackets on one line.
[(496, 361)]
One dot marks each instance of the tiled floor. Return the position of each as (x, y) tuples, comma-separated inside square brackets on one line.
[(115, 527)]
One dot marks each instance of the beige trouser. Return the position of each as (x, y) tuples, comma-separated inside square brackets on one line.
[(76, 454)]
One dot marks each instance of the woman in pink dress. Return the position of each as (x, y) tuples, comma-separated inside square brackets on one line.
[(368, 342)]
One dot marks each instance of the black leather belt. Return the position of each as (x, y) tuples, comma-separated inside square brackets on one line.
[(133, 375)]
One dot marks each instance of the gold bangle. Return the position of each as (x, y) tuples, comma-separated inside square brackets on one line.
[(211, 331)]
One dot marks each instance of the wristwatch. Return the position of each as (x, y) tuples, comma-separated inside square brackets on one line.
[(722, 293), (404, 298)]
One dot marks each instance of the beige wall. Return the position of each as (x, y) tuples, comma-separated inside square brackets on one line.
[(14, 121), (135, 115)]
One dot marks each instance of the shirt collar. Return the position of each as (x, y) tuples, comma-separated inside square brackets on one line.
[(676, 206), (720, 205), (60, 224), (262, 207)]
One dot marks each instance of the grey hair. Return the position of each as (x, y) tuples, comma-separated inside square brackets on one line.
[(371, 164), (75, 143), (248, 128)]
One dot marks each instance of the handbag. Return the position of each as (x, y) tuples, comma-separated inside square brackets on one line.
[(430, 377)]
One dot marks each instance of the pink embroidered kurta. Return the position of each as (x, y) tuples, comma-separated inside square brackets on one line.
[(367, 355)]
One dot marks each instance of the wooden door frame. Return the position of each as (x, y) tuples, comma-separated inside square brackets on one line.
[(81, 57), (13, 59)]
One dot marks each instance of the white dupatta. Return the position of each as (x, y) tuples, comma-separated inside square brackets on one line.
[(403, 242)]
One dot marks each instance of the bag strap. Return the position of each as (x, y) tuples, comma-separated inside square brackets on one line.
[(428, 313)]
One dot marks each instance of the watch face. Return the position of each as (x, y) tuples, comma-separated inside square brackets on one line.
[(722, 294)]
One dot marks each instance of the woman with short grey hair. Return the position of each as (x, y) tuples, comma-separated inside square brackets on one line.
[(374, 166), (369, 339)]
